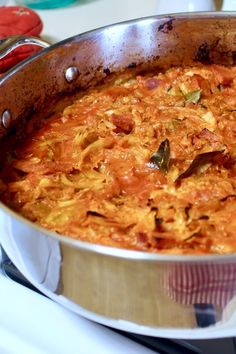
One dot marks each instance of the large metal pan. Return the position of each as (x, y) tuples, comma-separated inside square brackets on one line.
[(153, 294)]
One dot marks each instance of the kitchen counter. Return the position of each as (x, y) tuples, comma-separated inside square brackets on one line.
[(84, 15)]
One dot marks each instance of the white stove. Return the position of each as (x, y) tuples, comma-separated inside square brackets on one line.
[(30, 322)]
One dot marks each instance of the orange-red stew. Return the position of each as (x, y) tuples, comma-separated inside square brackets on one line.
[(146, 163)]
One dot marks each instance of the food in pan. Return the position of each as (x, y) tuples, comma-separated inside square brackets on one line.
[(144, 162)]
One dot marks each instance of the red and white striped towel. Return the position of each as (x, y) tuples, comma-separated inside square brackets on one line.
[(190, 284)]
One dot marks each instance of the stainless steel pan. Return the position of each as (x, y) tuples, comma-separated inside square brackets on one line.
[(145, 293)]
